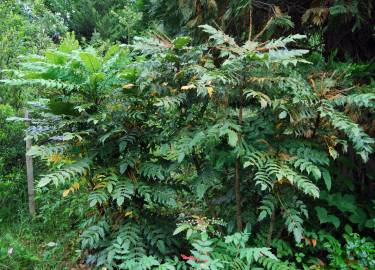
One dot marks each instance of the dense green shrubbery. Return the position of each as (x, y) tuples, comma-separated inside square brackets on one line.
[(116, 20), (322, 19), (26, 27), (11, 140), (12, 149), (180, 131)]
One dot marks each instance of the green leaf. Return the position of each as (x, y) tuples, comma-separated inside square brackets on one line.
[(181, 228), (123, 167), (33, 151), (358, 217), (161, 246), (43, 182), (91, 62), (189, 233), (111, 51), (324, 217), (58, 107), (201, 190), (123, 190), (232, 138), (180, 42), (327, 179), (262, 215), (282, 115)]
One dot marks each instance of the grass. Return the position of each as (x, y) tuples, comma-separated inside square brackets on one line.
[(30, 244)]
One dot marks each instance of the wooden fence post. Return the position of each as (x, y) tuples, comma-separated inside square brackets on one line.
[(30, 171)]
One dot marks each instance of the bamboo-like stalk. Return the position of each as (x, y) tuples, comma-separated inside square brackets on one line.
[(29, 171)]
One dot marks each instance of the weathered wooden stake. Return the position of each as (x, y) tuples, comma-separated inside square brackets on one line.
[(30, 171)]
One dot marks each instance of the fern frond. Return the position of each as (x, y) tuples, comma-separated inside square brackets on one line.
[(293, 218), (362, 100), (257, 159), (272, 264), (92, 236), (263, 179), (152, 170), (97, 197), (66, 173), (363, 143), (219, 37), (254, 254), (268, 207), (307, 166), (283, 41), (171, 102), (47, 151), (52, 84), (123, 190)]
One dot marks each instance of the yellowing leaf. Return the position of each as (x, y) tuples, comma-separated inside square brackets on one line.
[(188, 87), (100, 185), (77, 143), (281, 180), (284, 156), (55, 158), (76, 186), (210, 90), (98, 176), (129, 213), (263, 141), (73, 188), (308, 133), (66, 192), (128, 86), (263, 99), (277, 11), (258, 79)]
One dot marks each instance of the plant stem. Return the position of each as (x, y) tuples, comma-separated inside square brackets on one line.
[(250, 23), (237, 187), (237, 184), (270, 230)]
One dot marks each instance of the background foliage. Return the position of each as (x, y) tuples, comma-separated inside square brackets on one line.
[(117, 20), (227, 135)]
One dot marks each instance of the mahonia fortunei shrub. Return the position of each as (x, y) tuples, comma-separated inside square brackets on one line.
[(159, 131)]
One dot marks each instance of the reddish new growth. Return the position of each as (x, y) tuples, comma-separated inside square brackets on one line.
[(192, 258)]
